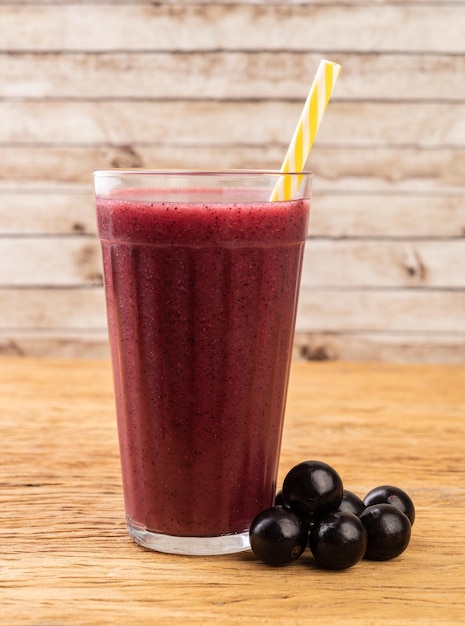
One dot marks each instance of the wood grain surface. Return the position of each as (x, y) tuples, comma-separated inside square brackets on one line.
[(88, 84), (76, 261), (236, 25), (66, 558)]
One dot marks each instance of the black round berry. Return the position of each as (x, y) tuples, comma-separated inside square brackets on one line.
[(312, 488), (387, 494), (351, 503), (338, 540), (278, 536), (388, 531), (278, 499)]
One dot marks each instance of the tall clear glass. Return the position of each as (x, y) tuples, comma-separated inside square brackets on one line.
[(202, 275)]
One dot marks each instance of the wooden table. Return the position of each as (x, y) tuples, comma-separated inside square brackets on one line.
[(65, 557)]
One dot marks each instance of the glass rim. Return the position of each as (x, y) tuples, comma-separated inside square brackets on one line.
[(196, 172)]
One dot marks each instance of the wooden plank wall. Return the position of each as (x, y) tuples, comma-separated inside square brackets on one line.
[(95, 84)]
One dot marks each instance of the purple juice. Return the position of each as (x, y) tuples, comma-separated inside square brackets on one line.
[(201, 302)]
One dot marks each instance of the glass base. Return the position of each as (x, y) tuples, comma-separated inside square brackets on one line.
[(195, 546)]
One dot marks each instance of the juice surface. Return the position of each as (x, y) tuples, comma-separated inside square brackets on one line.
[(201, 301)]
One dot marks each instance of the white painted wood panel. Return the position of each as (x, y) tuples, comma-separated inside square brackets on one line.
[(55, 343), (387, 346), (335, 263), (41, 213), (50, 261), (320, 310), (390, 215), (200, 2), (435, 27), (346, 215), (398, 347), (177, 123), (132, 83), (62, 309), (224, 75), (396, 310), (380, 263), (338, 169)]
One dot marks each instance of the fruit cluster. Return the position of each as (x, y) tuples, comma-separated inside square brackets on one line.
[(340, 528)]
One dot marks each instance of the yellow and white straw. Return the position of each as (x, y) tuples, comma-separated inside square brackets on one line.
[(306, 130)]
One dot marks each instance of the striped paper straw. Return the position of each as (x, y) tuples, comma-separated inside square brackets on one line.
[(306, 130)]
